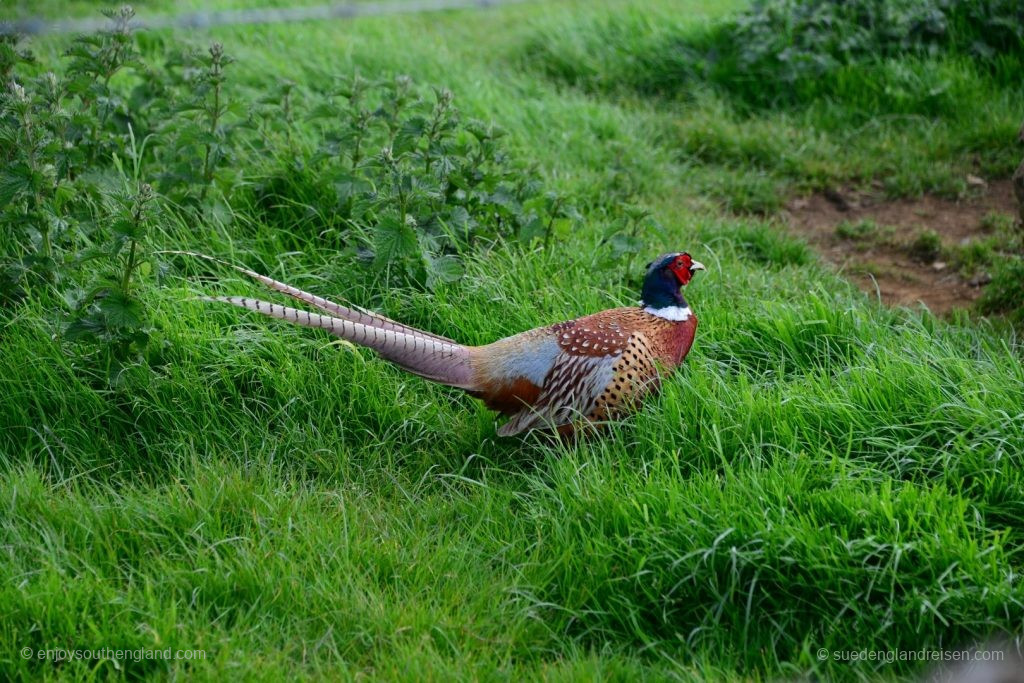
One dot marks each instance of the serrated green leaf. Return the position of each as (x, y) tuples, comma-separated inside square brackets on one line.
[(14, 180), (394, 240), (121, 311), (86, 328), (622, 244), (534, 229), (126, 228), (444, 269), (347, 186)]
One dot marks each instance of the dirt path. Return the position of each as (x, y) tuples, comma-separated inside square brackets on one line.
[(878, 243)]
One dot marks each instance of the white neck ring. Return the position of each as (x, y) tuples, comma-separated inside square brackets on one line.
[(674, 313)]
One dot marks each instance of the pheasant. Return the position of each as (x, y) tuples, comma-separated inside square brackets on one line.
[(564, 376)]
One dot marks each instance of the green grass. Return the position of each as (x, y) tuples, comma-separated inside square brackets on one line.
[(823, 472), (915, 123)]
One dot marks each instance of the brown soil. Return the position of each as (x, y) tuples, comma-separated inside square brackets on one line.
[(885, 263)]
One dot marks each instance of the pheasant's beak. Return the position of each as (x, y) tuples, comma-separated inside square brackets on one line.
[(697, 265)]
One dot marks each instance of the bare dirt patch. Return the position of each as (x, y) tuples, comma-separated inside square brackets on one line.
[(878, 243)]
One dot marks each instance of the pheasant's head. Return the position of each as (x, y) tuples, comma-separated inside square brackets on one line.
[(666, 275)]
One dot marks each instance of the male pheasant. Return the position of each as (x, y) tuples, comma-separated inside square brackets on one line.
[(563, 376)]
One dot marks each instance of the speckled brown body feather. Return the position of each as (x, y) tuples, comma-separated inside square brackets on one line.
[(584, 371), (606, 364), (655, 347)]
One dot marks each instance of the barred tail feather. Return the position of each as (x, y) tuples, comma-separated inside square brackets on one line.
[(421, 353), (358, 316), (355, 315)]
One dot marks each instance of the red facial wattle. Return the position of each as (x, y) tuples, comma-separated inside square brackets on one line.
[(681, 269)]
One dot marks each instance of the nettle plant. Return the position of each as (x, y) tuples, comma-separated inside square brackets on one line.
[(196, 138), (70, 231), (392, 172), (75, 202), (57, 136), (414, 185), (95, 59), (109, 314), (29, 185)]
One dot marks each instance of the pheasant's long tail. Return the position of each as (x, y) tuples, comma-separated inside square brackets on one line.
[(361, 316), (421, 353)]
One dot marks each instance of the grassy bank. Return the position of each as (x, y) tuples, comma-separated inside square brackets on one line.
[(823, 472)]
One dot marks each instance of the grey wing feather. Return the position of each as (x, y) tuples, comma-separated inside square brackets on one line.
[(570, 392)]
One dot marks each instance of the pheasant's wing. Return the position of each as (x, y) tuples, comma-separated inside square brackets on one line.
[(580, 375), (570, 392)]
